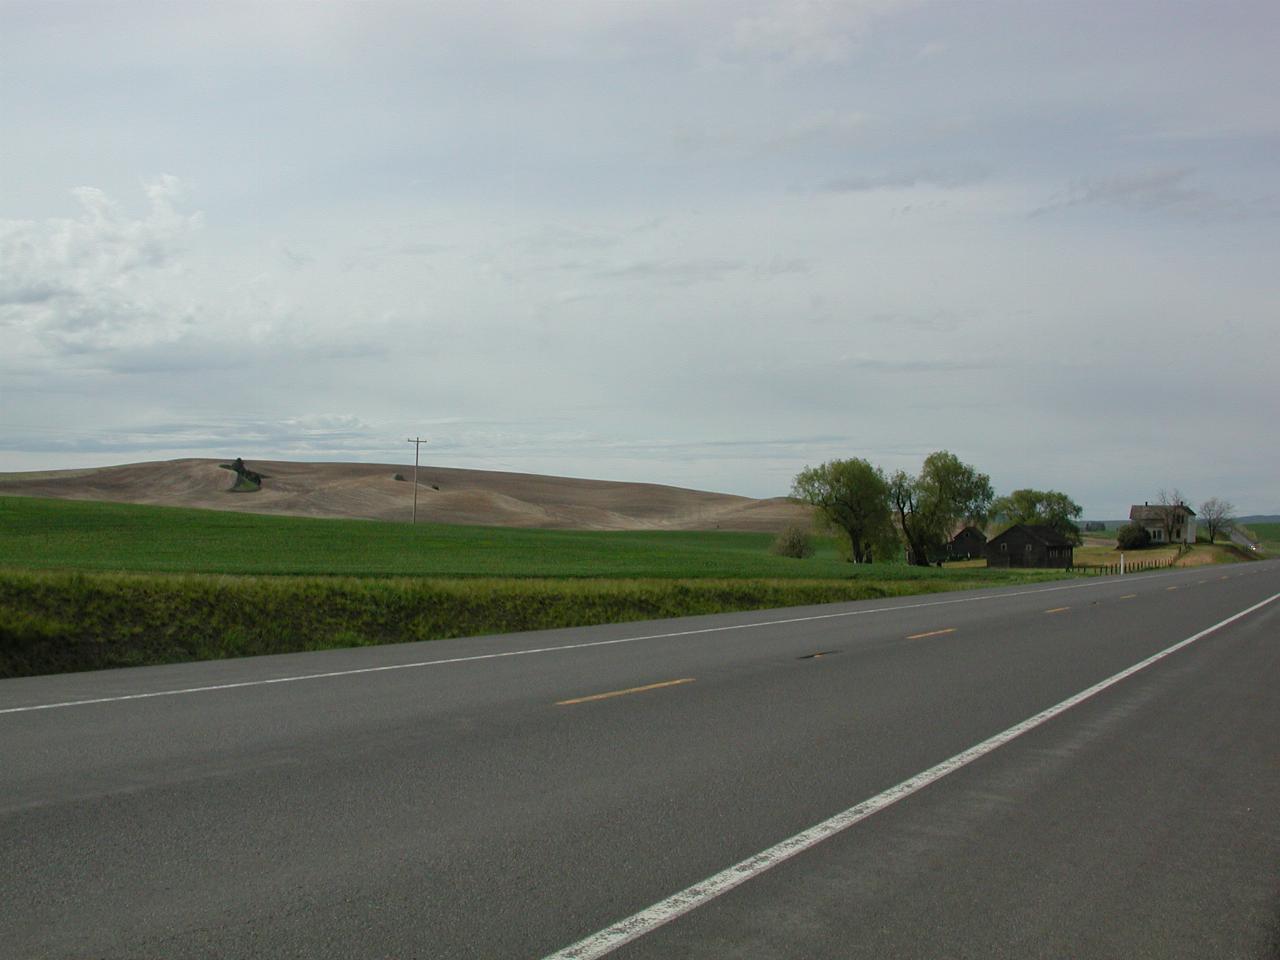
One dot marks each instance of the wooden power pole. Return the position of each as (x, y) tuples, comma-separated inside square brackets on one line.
[(417, 443)]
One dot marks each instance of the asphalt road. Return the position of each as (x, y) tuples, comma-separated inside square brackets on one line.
[(477, 798)]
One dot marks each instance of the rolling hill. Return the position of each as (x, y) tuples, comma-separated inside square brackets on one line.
[(445, 495)]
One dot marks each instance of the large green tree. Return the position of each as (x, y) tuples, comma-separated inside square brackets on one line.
[(930, 505), (1047, 508), (852, 498)]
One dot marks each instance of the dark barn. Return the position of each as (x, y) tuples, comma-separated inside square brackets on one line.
[(1028, 545), (969, 544)]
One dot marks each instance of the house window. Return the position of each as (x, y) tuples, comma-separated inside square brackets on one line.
[(1028, 548), (1004, 548)]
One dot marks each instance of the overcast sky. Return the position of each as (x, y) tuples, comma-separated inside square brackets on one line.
[(697, 243)]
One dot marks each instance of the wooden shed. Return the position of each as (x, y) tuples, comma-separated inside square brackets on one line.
[(969, 544), (1030, 545)]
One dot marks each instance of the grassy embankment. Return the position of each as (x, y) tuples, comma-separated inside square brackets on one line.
[(91, 585), (1199, 554)]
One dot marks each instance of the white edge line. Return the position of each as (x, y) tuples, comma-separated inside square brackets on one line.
[(570, 646), (637, 925)]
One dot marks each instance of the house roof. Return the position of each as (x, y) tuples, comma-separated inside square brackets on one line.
[(1048, 536), (1157, 512), (971, 531)]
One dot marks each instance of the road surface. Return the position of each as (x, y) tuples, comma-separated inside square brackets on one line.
[(1088, 768)]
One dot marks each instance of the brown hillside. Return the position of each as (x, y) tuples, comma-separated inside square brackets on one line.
[(369, 490)]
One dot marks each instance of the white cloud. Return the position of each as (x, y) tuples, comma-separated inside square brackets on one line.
[(805, 32), (94, 282), (958, 177), (1145, 192)]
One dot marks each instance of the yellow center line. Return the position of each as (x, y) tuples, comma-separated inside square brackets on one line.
[(1128, 596), (1171, 588), (1224, 578), (623, 693), (1057, 610), (931, 633)]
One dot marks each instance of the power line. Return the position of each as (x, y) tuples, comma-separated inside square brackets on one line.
[(417, 444)]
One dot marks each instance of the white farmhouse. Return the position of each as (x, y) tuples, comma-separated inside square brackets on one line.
[(1166, 523)]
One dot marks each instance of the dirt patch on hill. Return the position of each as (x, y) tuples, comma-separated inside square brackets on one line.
[(445, 495)]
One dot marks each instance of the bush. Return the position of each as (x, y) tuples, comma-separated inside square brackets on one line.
[(793, 542), (1133, 536)]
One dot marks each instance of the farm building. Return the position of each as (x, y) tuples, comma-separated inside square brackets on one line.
[(1175, 523), (969, 544), (1030, 545)]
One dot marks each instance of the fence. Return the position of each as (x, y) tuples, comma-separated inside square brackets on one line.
[(1130, 566)]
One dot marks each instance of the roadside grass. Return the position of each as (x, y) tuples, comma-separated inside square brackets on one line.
[(52, 622)]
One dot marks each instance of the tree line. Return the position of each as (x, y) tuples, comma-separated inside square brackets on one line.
[(879, 515)]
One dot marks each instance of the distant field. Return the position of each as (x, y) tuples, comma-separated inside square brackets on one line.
[(79, 535), (1268, 535)]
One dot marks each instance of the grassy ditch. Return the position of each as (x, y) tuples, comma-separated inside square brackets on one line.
[(53, 622)]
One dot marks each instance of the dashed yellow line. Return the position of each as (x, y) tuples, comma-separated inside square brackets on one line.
[(931, 633), (1128, 596), (1058, 610), (1171, 588), (623, 693)]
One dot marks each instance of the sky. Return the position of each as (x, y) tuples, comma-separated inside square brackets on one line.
[(696, 243)]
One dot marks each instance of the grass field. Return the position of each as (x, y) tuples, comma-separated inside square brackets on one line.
[(86, 585), (1268, 535), (79, 535)]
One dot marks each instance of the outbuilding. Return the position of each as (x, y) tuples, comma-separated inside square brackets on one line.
[(969, 544), (1030, 545)]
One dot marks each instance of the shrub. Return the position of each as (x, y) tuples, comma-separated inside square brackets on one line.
[(1133, 536), (793, 542), (400, 477)]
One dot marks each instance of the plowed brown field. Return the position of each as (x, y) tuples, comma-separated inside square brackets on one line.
[(445, 495)]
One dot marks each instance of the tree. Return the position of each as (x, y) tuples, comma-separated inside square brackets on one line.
[(793, 542), (930, 505), (1047, 508), (1218, 516), (1166, 508), (852, 498)]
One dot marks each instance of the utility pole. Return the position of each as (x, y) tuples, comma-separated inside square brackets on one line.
[(417, 443)]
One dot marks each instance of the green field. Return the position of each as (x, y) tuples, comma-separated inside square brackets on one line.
[(1268, 535), (79, 535), (87, 585)]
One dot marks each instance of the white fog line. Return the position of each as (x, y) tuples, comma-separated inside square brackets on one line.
[(637, 925), (356, 671)]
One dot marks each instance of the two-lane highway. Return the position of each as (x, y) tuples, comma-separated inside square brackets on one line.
[(974, 774)]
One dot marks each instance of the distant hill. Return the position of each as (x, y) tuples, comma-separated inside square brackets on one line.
[(1259, 518), (445, 495)]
